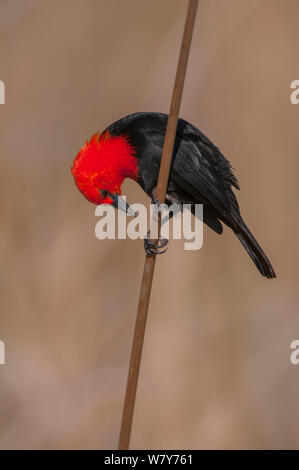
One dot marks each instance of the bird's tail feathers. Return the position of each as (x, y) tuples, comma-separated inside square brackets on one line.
[(253, 248)]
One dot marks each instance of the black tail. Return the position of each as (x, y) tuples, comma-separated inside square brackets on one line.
[(253, 248)]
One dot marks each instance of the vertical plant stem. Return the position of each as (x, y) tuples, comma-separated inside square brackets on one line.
[(149, 265)]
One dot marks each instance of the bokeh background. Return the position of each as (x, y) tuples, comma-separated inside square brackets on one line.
[(216, 369)]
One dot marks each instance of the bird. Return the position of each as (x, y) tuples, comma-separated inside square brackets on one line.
[(132, 148)]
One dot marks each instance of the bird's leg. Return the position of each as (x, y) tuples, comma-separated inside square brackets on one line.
[(155, 247), (168, 198), (154, 197)]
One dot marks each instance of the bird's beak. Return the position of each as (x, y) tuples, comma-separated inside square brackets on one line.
[(120, 204)]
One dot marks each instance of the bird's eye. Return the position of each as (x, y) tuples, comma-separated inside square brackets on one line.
[(104, 193)]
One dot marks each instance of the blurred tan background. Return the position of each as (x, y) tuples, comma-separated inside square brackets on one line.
[(216, 369)]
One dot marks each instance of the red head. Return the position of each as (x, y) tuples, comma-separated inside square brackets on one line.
[(101, 166)]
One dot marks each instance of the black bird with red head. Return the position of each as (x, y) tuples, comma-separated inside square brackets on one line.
[(200, 174)]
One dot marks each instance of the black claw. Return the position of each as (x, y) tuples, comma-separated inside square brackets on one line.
[(155, 247)]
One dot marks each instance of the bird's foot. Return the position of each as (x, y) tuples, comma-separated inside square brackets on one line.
[(154, 197), (155, 247)]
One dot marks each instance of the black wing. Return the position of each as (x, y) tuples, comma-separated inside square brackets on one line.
[(199, 174)]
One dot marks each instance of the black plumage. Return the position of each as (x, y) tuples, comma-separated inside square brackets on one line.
[(199, 174)]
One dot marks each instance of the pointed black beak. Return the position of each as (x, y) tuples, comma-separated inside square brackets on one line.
[(119, 203)]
